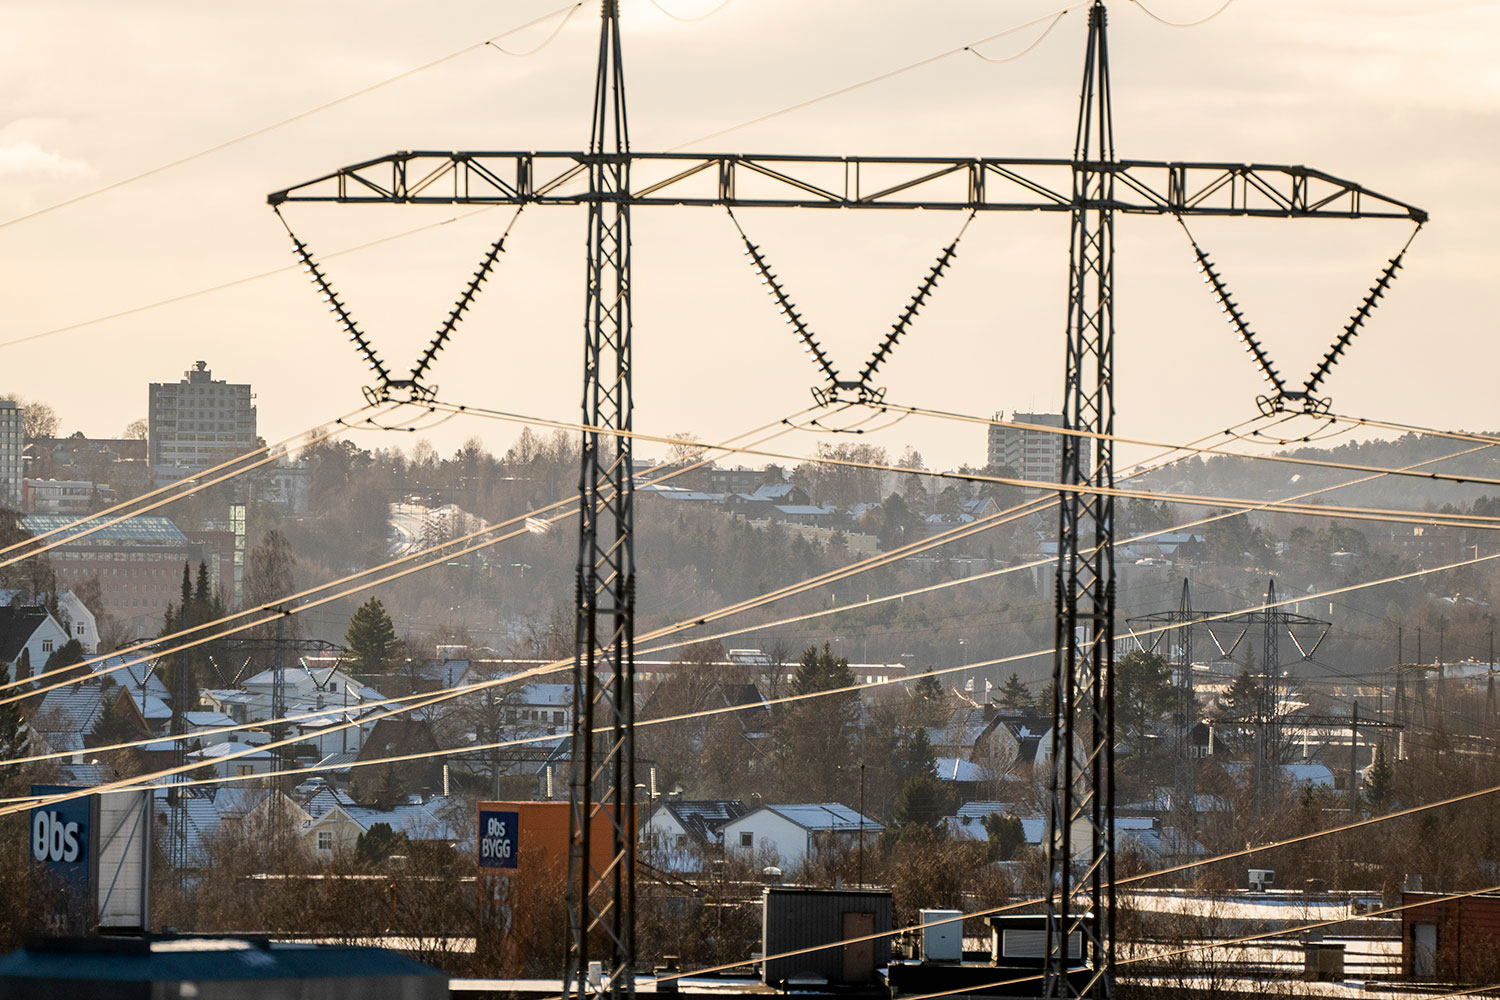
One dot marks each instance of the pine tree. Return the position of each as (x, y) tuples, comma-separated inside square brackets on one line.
[(1378, 782), (815, 738), (371, 637), (15, 739), (923, 801), (67, 655), (1006, 834), (1013, 694)]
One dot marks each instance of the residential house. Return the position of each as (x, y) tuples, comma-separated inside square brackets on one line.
[(73, 615), (339, 826), (758, 505), (681, 834), (66, 717), (793, 833), (306, 691), (397, 736), (980, 735), (234, 759), (28, 629)]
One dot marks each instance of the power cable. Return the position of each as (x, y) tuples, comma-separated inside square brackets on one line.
[(1181, 24), (689, 20), (820, 580), (1378, 514), (277, 609), (1054, 17), (133, 310), (1012, 58), (544, 42), (449, 693), (570, 8), (72, 533), (817, 581), (1120, 439), (1004, 659)]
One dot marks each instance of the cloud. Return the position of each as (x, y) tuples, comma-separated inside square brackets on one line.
[(21, 158)]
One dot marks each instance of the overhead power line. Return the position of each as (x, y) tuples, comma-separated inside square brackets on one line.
[(820, 580), (1181, 24), (274, 610), (1054, 17), (1379, 514), (447, 694), (1451, 477), (91, 524), (186, 296), (162, 168)]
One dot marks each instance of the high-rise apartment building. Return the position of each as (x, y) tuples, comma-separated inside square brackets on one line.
[(12, 443), (198, 422), (1035, 454)]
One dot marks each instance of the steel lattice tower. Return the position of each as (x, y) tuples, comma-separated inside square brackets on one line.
[(601, 877), (1091, 188), (1083, 701)]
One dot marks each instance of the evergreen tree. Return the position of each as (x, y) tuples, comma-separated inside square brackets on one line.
[(23, 666), (1379, 781), (371, 637), (928, 688), (1013, 694), (1143, 694), (379, 843), (1006, 834), (115, 724), (923, 801), (67, 655), (815, 739), (15, 738)]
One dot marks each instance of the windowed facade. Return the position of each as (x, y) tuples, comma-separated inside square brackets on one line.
[(199, 422), (325, 841)]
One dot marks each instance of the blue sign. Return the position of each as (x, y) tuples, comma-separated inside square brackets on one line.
[(59, 835), (499, 838)]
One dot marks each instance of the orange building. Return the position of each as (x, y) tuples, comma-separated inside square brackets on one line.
[(523, 870)]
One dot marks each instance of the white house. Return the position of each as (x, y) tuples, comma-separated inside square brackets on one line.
[(794, 832), (306, 690), (680, 834), (30, 630), (338, 826), (75, 617), (255, 760)]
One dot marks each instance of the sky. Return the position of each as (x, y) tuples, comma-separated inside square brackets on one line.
[(1399, 96)]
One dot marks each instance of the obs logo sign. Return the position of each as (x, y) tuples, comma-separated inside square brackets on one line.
[(52, 839)]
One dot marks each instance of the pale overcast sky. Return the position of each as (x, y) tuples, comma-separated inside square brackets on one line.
[(1399, 96)]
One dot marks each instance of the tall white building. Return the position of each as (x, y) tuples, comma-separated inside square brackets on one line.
[(1034, 454), (12, 443), (198, 422)]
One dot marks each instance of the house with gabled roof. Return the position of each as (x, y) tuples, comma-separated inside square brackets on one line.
[(794, 832), (681, 833), (339, 826), (395, 736), (77, 621), (30, 629), (65, 718)]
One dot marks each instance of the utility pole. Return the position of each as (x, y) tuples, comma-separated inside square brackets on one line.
[(1354, 762), (1400, 717)]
